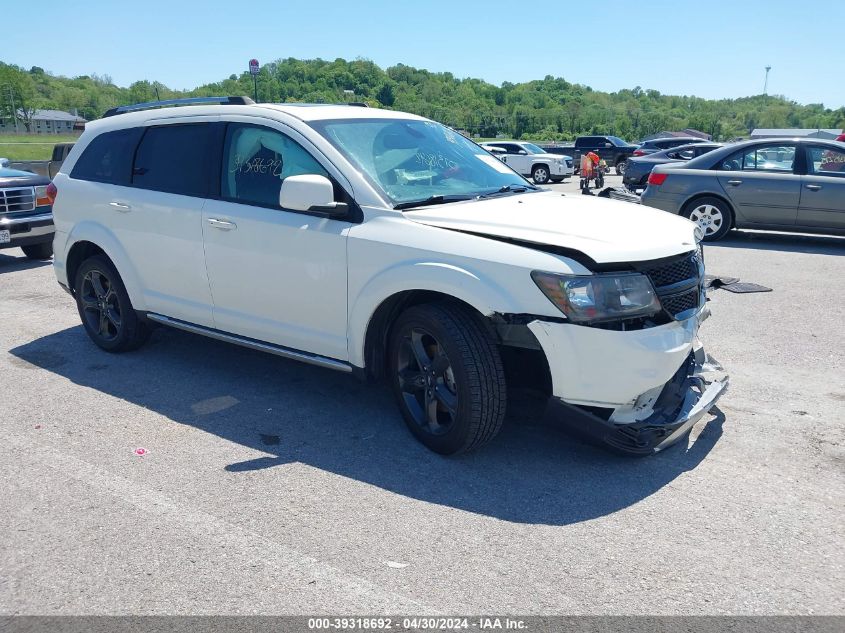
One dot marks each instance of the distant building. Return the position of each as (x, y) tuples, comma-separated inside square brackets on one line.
[(682, 134), (796, 133), (46, 122)]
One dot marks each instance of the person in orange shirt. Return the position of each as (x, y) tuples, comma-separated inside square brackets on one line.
[(589, 166)]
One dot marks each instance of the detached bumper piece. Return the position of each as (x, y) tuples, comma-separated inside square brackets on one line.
[(685, 399)]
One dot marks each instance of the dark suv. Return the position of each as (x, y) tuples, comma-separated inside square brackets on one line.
[(659, 144)]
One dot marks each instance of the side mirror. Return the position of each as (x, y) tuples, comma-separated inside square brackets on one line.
[(608, 144), (310, 192), (522, 152)]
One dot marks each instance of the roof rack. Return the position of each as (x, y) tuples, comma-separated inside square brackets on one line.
[(177, 102)]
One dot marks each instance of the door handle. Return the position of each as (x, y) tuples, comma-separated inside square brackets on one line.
[(735, 183), (119, 206), (813, 187), (223, 225)]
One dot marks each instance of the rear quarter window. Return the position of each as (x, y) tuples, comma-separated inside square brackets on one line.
[(108, 158)]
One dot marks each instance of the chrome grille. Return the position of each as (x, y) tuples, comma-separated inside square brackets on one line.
[(17, 200)]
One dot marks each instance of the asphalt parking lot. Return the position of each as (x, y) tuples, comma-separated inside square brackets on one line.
[(267, 486)]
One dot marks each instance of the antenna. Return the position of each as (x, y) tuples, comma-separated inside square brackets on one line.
[(766, 83)]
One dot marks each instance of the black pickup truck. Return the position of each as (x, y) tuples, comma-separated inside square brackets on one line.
[(612, 149)]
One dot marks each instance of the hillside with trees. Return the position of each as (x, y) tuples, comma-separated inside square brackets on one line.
[(546, 109)]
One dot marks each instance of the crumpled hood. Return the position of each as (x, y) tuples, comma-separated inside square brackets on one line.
[(605, 230)]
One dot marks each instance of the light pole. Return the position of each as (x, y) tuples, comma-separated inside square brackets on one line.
[(766, 83)]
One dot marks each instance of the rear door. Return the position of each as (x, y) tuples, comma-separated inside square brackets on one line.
[(823, 188), (159, 222), (762, 184)]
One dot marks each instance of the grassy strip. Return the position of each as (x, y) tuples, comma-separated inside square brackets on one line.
[(32, 146)]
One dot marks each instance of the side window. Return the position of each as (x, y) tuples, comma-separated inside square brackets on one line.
[(257, 159), (768, 158), (174, 159), (510, 148), (108, 158), (773, 158), (826, 161)]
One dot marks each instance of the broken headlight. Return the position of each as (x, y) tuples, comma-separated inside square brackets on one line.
[(591, 298)]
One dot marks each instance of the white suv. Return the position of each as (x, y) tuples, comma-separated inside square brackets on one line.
[(387, 245), (530, 160)]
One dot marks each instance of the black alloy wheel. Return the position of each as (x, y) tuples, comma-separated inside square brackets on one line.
[(447, 376), (100, 307), (427, 382), (105, 309)]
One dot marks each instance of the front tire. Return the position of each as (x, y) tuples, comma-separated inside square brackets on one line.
[(620, 168), (105, 309), (712, 215), (44, 250), (540, 175), (447, 376)]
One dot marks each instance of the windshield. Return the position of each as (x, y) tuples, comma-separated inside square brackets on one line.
[(533, 149), (617, 141), (410, 160)]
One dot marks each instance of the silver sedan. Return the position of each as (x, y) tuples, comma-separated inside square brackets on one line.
[(776, 184)]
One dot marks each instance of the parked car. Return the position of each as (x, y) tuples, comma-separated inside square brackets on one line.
[(530, 160), (638, 168), (659, 144), (775, 184), (386, 245), (46, 168), (26, 213), (612, 149)]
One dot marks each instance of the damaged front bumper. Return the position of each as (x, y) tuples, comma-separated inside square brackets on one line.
[(682, 402), (638, 391)]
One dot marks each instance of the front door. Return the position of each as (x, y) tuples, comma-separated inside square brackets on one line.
[(823, 189), (276, 275), (517, 161), (762, 184)]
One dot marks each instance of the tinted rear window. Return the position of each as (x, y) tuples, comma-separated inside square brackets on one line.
[(108, 158), (174, 159)]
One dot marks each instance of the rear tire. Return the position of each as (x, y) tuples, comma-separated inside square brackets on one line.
[(105, 309), (712, 215), (44, 250), (447, 376)]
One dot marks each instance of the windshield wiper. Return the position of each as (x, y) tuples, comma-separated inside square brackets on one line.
[(433, 200), (510, 189)]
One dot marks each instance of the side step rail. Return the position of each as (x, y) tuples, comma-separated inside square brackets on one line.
[(278, 350)]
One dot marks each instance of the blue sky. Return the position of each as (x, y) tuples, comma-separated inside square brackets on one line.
[(708, 48)]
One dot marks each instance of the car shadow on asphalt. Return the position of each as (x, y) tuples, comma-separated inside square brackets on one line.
[(534, 472), (10, 263), (786, 242)]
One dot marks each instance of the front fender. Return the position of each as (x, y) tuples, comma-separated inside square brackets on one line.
[(104, 238), (461, 283)]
